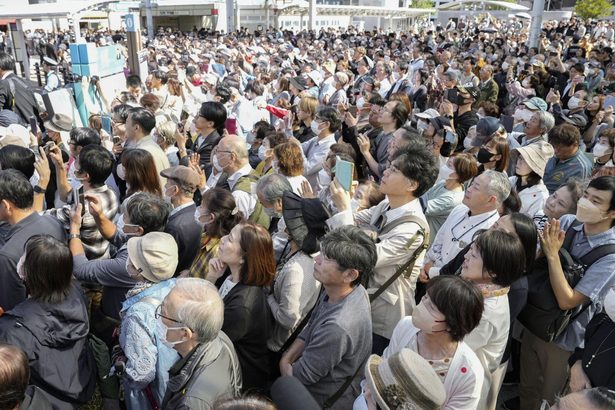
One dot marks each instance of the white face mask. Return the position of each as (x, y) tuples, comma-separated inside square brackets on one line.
[(162, 330), (121, 172), (315, 128), (360, 102), (609, 304), (166, 195), (445, 172), (421, 126), (262, 151), (601, 150), (526, 83), (217, 164), (324, 179), (505, 66), (574, 103)]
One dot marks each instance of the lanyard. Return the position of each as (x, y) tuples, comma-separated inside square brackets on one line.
[(457, 238)]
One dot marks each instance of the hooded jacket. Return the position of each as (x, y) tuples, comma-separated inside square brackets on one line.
[(55, 339)]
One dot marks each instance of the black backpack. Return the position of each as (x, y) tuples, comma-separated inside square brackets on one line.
[(542, 315)]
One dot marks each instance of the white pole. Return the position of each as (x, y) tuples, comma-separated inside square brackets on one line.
[(149, 19), (312, 15), (536, 23)]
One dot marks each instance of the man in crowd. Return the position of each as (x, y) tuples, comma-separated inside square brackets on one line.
[(232, 157), (179, 190), (569, 160), (16, 198), (408, 177), (479, 210), (139, 126), (337, 340), (191, 317)]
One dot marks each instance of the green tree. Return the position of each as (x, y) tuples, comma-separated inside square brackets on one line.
[(423, 4), (593, 9)]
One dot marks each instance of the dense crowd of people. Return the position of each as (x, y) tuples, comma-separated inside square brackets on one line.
[(333, 219)]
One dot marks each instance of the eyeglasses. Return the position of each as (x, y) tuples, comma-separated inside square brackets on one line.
[(158, 315)]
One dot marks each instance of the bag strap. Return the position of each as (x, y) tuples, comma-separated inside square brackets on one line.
[(402, 220), (596, 254), (570, 233), (409, 265), (336, 396), (293, 336)]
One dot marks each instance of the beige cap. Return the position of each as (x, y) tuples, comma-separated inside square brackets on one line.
[(154, 255), (184, 175)]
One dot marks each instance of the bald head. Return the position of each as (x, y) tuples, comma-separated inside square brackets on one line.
[(232, 153)]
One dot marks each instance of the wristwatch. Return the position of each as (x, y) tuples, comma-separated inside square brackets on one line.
[(39, 190), (74, 236)]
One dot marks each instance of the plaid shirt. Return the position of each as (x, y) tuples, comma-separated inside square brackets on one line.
[(96, 247), (209, 249)]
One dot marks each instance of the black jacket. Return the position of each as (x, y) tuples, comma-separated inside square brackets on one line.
[(204, 150), (25, 104), (55, 339), (187, 234), (599, 338), (12, 289), (248, 323)]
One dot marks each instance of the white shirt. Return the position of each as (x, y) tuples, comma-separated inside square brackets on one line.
[(226, 287), (385, 86), (314, 153), (533, 198), (245, 201), (455, 234)]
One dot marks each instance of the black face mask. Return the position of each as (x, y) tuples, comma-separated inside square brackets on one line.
[(484, 156)]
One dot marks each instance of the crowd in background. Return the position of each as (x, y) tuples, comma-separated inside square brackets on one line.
[(337, 219)]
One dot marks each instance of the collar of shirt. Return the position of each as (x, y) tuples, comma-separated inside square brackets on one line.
[(564, 161), (412, 208), (325, 140), (602, 238), (6, 74), (144, 140), (179, 208), (245, 170)]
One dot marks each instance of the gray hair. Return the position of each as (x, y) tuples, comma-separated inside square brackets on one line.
[(273, 186), (546, 121), (498, 185), (351, 248), (202, 309)]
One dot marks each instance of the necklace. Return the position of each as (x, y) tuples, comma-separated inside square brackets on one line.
[(457, 238), (598, 352)]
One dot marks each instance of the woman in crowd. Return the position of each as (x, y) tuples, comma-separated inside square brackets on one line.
[(419, 92), (51, 326), (449, 311), (265, 152), (340, 80), (527, 181), (139, 171), (561, 202), (152, 260), (175, 100), (217, 215), (448, 193), (495, 260), (247, 318), (493, 154), (603, 149), (294, 290), (306, 112), (288, 161), (165, 138)]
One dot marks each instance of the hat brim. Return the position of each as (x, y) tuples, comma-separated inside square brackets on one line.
[(424, 116), (134, 253), (49, 126), (528, 160), (295, 84), (374, 381), (293, 217)]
